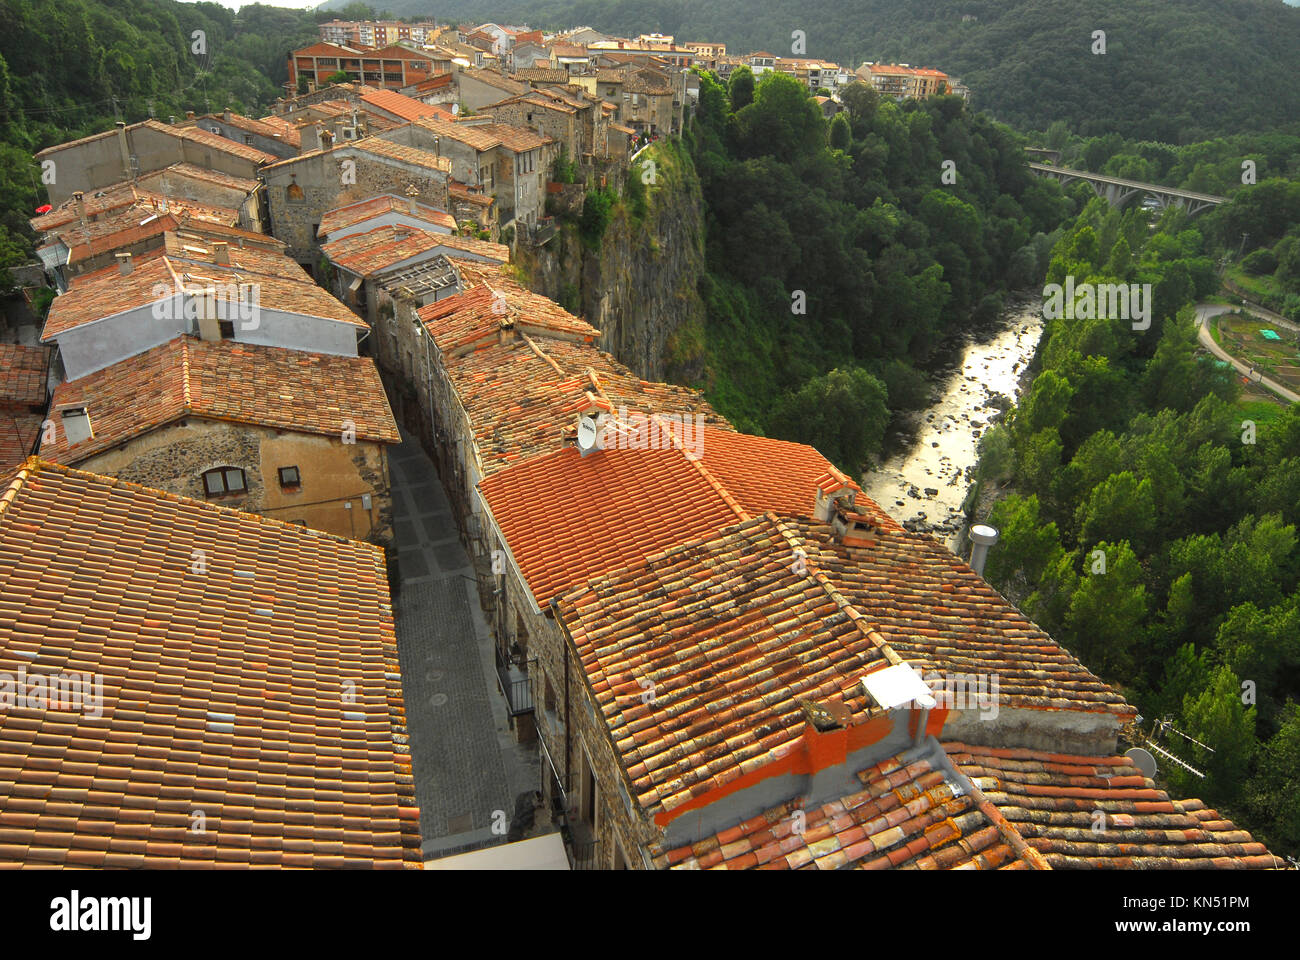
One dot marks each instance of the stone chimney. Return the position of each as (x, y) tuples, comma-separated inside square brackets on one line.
[(225, 115), (124, 149), (124, 265), (310, 134), (79, 204), (221, 253)]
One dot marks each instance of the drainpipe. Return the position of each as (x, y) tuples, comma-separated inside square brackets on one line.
[(982, 536)]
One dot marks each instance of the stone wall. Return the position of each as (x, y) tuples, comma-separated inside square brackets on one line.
[(333, 473)]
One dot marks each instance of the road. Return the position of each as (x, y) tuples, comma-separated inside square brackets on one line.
[(1204, 311)]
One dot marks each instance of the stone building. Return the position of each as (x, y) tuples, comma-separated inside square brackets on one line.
[(300, 437), (128, 151), (577, 124), (510, 163), (479, 87), (300, 190), (267, 137)]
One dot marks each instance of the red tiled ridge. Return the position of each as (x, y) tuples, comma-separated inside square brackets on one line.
[(185, 611), (910, 814), (225, 380), (476, 316), (1053, 801), (521, 398), (934, 610), (376, 250), (345, 216), (731, 636)]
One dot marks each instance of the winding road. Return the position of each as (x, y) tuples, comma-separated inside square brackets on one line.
[(1204, 311)]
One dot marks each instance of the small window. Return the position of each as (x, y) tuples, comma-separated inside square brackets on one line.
[(289, 477), (224, 482), (227, 329), (248, 139)]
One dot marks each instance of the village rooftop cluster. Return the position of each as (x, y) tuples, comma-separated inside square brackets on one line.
[(714, 641)]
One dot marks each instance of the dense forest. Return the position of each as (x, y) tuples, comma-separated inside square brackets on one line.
[(840, 254), (69, 68), (1174, 72), (1152, 527)]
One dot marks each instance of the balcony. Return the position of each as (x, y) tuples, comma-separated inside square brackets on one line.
[(512, 678)]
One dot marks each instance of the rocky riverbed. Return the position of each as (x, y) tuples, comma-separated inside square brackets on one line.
[(924, 482)]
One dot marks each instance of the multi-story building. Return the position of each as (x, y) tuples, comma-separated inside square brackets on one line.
[(392, 65), (377, 33)]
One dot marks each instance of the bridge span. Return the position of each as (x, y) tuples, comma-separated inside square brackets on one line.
[(1118, 191)]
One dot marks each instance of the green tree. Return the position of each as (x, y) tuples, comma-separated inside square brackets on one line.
[(843, 414), (1104, 624), (841, 133), (1218, 718), (740, 88)]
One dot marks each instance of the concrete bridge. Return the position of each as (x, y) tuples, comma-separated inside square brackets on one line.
[(1118, 191)]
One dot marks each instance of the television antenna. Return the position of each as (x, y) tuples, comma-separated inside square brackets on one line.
[(1145, 745)]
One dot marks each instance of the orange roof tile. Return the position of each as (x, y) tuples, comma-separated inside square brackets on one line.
[(913, 812), (221, 680), (23, 374), (407, 108), (1052, 800), (376, 250), (281, 285), (635, 502), (477, 316), (225, 380), (353, 213)]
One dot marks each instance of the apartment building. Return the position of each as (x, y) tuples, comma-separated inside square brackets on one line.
[(392, 65), (378, 33)]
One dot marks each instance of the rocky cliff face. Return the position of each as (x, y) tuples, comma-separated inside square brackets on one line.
[(640, 288)]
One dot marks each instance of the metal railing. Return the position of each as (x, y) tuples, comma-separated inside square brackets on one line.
[(516, 689), (582, 856)]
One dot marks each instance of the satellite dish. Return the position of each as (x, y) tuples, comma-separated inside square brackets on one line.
[(587, 435), (1143, 760)]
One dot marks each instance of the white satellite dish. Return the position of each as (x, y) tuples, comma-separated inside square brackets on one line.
[(587, 435), (1143, 760)]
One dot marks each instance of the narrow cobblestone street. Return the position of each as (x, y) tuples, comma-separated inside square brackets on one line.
[(466, 763)]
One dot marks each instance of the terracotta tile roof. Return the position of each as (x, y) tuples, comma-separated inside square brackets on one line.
[(220, 690), (541, 75), (521, 396), (517, 139), (288, 132), (281, 284), (225, 380), (494, 79), (408, 108), (486, 136), (377, 147), (19, 433), (636, 502), (23, 374), (913, 812), (463, 192), (935, 610), (125, 227), (477, 316), (1052, 800), (724, 631), (635, 83), (374, 251), (249, 124), (215, 141), (354, 213), (103, 203)]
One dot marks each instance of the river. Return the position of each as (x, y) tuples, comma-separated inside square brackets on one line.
[(923, 484)]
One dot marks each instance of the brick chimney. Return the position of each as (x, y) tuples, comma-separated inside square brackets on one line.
[(124, 265), (221, 253)]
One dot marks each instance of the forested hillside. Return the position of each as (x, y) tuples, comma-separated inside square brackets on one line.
[(838, 258), (1153, 527), (1177, 72), (69, 68)]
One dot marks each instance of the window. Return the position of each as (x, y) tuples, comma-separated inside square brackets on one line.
[(224, 482), (227, 329), (248, 138), (289, 477)]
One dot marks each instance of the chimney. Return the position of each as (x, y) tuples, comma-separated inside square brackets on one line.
[(982, 536), (124, 150), (124, 265), (189, 114), (76, 424), (411, 207), (225, 115), (205, 303), (310, 138), (221, 253), (79, 204)]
